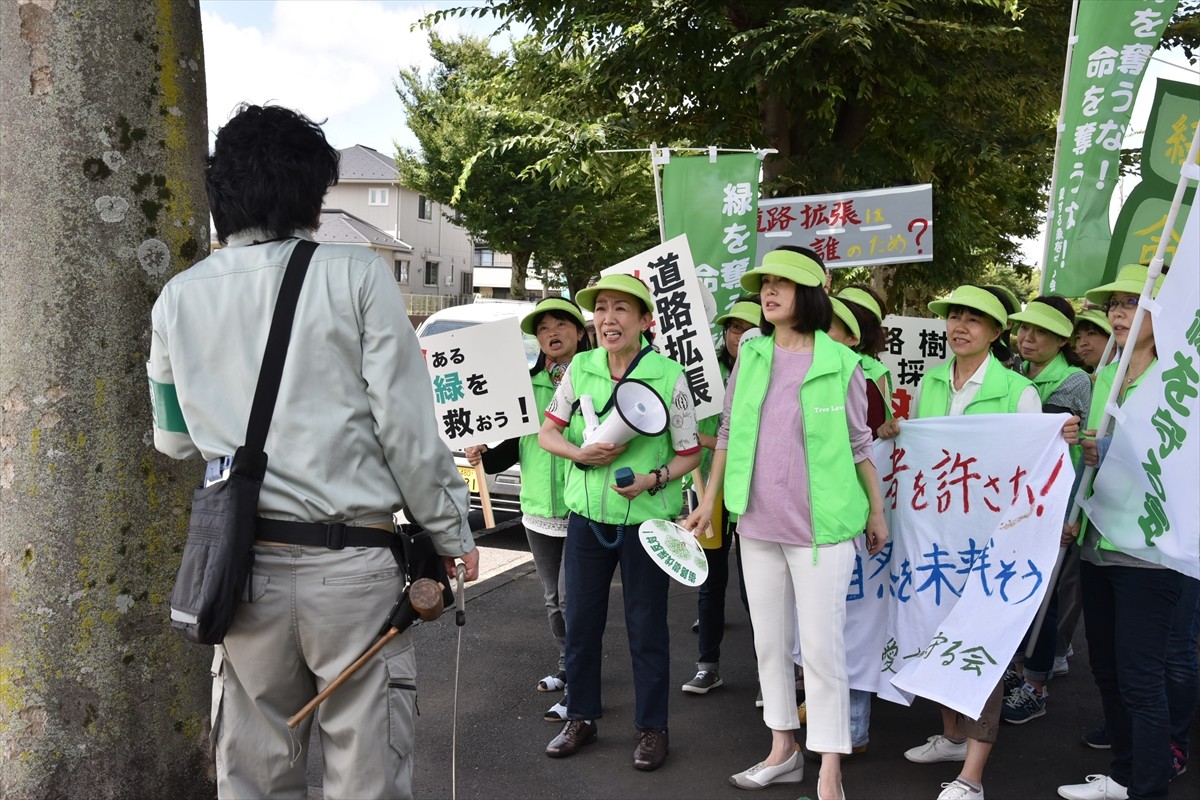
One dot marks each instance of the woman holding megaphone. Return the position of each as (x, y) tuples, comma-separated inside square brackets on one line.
[(561, 332), (804, 487), (606, 511)]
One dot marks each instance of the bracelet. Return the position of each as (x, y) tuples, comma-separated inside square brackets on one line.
[(667, 467), (658, 484)]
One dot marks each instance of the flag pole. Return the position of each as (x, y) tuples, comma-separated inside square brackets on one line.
[(1060, 127), (1190, 171)]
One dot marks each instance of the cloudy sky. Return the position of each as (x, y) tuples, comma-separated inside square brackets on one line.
[(331, 59)]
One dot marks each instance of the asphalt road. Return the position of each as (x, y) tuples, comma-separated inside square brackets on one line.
[(497, 749)]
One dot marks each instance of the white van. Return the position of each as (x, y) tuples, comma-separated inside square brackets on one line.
[(504, 488)]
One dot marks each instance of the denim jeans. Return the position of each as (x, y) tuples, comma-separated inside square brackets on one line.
[(1183, 683), (590, 567), (860, 717), (547, 552), (1127, 614)]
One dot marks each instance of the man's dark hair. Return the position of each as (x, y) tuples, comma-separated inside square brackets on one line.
[(269, 170)]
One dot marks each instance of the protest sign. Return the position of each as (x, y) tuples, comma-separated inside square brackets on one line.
[(715, 202), (1144, 497), (1139, 226), (915, 345), (852, 229), (681, 328), (975, 507), (1113, 42), (481, 387)]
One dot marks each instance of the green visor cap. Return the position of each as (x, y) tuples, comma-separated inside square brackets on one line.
[(971, 297), (529, 321), (627, 284), (1045, 316), (1096, 317), (846, 316), (1013, 302), (860, 298), (745, 311), (796, 267), (1131, 278)]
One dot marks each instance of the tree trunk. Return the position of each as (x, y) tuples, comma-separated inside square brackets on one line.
[(520, 270), (102, 197)]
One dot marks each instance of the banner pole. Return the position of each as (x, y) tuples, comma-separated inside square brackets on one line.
[(485, 497), (658, 195), (1059, 127), (1190, 171)]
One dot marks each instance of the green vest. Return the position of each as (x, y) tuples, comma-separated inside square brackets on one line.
[(838, 503), (999, 394), (542, 474), (589, 492), (1100, 390), (1047, 382), (873, 368), (1052, 376)]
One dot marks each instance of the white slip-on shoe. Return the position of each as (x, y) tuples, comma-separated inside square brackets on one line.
[(1098, 787), (957, 790), (760, 776)]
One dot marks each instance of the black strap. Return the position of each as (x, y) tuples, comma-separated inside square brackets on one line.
[(333, 535), (269, 375), (612, 398)]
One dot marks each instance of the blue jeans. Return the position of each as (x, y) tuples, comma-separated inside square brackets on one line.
[(860, 718), (590, 567), (1127, 614), (1183, 683)]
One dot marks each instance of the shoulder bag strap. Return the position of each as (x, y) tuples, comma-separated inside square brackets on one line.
[(269, 375)]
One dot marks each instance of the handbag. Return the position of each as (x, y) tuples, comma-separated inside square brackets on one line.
[(219, 552)]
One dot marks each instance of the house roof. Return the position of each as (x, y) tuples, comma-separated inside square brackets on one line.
[(342, 227), (362, 163)]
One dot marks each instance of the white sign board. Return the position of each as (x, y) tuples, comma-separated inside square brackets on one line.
[(852, 229), (915, 345), (680, 324), (481, 387)]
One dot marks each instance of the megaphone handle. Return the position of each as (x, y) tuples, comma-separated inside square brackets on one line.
[(590, 420)]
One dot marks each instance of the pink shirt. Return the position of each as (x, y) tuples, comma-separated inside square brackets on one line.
[(778, 508)]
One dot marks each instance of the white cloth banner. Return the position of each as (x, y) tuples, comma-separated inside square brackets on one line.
[(481, 387), (1144, 497), (975, 507)]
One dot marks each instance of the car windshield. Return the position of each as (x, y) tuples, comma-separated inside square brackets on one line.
[(532, 349)]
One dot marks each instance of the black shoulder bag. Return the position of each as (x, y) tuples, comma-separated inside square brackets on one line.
[(219, 551)]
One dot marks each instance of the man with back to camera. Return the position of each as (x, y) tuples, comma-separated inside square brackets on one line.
[(352, 440)]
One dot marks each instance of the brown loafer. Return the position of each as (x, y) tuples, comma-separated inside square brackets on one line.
[(651, 750), (574, 735)]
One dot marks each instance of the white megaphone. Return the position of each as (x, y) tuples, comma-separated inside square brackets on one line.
[(637, 411), (751, 333)]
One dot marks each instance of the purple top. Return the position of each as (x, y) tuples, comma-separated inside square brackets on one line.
[(778, 508)]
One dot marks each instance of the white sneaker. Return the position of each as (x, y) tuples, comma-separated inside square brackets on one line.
[(957, 790), (1098, 787), (1061, 666), (937, 748)]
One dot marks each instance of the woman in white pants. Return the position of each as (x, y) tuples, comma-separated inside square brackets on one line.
[(804, 492)]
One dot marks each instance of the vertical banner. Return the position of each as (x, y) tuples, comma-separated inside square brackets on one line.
[(1114, 40), (481, 387), (1144, 497), (975, 508), (1169, 132), (680, 326), (715, 202)]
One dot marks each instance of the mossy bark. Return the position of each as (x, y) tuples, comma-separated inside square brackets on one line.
[(102, 142)]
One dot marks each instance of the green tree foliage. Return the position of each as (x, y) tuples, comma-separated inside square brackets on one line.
[(482, 119), (854, 94)]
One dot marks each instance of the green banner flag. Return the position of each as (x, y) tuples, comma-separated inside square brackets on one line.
[(1169, 133), (1114, 40), (715, 202)]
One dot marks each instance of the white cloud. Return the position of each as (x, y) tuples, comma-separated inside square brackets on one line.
[(330, 59)]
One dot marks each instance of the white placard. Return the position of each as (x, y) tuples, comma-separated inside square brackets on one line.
[(915, 345), (680, 323), (481, 387)]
